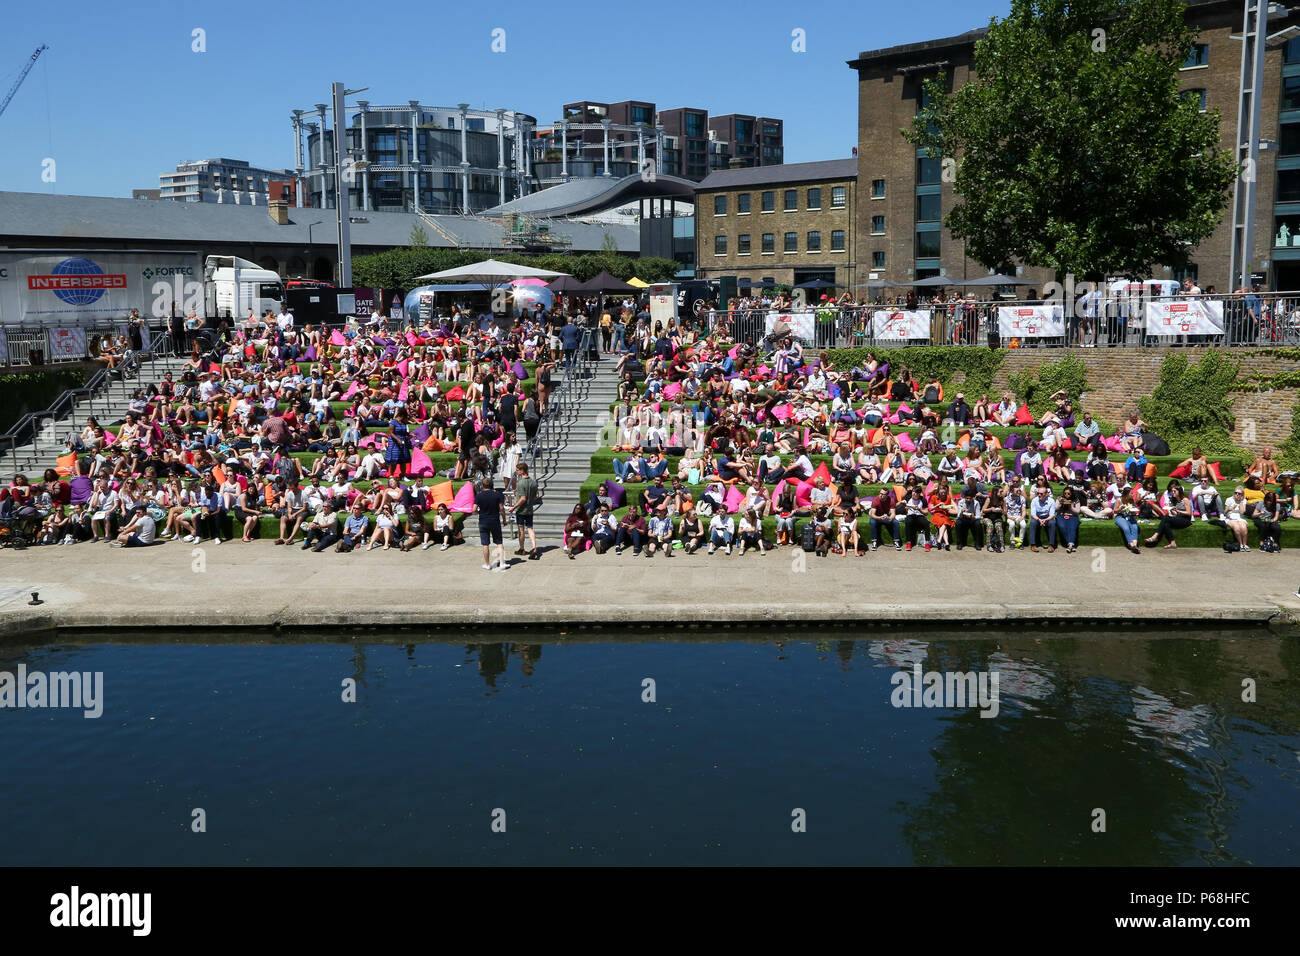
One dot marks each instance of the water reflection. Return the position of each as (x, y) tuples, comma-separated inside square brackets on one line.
[(1152, 729)]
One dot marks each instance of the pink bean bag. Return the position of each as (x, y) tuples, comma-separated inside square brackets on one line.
[(733, 499), (336, 338), (463, 503), (905, 442), (420, 464), (802, 492)]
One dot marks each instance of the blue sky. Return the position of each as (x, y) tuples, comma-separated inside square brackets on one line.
[(120, 96)]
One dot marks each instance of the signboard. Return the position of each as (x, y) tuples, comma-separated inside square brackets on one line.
[(53, 289), (1185, 317), (396, 310), (346, 303), (66, 343), (366, 299), (4, 348), (1031, 321), (801, 323), (900, 324), (663, 303)]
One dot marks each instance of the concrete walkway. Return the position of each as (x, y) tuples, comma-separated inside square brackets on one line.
[(259, 585)]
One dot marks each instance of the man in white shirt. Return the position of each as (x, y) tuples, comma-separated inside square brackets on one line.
[(285, 319), (722, 531)]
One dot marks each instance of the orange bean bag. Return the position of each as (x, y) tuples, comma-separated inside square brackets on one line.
[(441, 494), (66, 464)]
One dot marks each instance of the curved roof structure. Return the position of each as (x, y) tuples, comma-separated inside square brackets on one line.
[(595, 194)]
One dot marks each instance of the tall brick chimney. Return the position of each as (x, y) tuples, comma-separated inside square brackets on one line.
[(278, 210)]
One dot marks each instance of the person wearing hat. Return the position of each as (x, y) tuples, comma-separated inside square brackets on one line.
[(140, 532)]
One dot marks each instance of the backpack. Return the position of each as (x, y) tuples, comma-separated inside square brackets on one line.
[(931, 395), (808, 538)]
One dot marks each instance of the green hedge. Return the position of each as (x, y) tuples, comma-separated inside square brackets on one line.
[(26, 392)]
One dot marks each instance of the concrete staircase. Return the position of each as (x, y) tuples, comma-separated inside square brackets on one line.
[(568, 463), (109, 407)]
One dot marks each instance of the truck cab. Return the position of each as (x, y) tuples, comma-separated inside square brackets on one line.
[(233, 285)]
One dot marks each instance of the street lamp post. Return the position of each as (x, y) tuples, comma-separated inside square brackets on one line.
[(341, 187)]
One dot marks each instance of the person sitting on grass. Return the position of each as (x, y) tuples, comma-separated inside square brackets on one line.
[(1125, 518), (632, 528), (1177, 515), (602, 531), (1042, 519), (722, 531), (385, 527), (354, 529), (660, 534), (846, 535), (139, 532), (291, 509), (1267, 516), (1265, 467)]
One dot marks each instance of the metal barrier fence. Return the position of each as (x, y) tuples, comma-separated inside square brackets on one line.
[(31, 345), (1101, 321)]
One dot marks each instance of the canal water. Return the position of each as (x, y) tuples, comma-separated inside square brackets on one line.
[(743, 746)]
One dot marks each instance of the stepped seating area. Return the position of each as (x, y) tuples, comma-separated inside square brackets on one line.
[(431, 458), (1092, 533)]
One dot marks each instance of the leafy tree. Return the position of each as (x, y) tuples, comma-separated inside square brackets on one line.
[(419, 238), (1074, 148)]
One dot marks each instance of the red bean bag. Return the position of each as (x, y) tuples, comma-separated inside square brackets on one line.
[(1214, 470), (1182, 471), (824, 474), (1024, 416), (456, 394)]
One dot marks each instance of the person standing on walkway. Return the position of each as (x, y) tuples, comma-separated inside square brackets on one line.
[(527, 496), (490, 505)]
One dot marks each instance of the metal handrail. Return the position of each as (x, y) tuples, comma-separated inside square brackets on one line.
[(563, 407), (28, 426)]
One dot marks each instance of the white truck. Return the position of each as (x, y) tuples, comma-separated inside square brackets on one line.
[(87, 288)]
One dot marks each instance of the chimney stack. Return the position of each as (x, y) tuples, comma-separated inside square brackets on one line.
[(278, 210)]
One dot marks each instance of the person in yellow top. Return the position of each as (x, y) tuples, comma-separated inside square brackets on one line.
[(606, 330), (1254, 490)]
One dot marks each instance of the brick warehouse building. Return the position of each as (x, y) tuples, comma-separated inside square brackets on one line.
[(903, 199), (787, 224)]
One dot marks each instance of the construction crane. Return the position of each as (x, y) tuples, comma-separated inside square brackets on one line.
[(22, 76)]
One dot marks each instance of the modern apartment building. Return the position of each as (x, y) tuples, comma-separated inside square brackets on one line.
[(904, 198), (786, 224), (219, 180)]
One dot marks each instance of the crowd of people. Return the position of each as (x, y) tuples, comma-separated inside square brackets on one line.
[(330, 434), (744, 424)]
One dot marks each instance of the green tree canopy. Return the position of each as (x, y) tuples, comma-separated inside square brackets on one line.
[(1074, 148)]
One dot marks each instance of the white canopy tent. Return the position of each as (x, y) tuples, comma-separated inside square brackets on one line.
[(490, 272)]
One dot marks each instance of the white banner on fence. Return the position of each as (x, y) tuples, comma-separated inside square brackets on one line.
[(1185, 317), (66, 343), (1031, 321), (802, 324), (900, 325)]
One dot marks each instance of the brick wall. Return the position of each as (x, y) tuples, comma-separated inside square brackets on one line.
[(1118, 377)]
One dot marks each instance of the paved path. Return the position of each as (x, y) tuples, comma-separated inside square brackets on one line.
[(259, 585)]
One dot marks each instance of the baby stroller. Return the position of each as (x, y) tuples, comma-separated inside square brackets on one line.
[(20, 529)]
